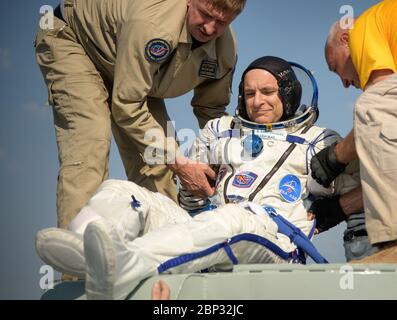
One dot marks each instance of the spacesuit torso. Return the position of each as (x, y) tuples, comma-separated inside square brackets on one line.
[(276, 177)]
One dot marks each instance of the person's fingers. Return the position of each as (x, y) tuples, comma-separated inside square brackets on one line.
[(316, 231), (165, 291), (156, 291), (208, 190), (210, 172)]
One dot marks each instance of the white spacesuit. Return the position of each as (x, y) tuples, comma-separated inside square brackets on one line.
[(258, 213)]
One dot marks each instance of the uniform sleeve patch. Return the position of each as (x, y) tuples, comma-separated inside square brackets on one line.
[(208, 69), (157, 50)]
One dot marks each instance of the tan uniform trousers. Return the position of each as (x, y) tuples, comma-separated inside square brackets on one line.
[(83, 124), (375, 127)]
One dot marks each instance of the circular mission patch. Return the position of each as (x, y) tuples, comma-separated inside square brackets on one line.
[(157, 50)]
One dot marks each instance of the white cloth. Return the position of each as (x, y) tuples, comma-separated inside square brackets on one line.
[(113, 201)]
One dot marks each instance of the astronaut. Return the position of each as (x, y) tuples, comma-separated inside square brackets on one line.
[(259, 213)]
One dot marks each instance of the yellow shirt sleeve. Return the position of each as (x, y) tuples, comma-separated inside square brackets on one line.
[(373, 40)]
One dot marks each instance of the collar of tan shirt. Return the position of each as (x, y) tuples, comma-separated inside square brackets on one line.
[(209, 47)]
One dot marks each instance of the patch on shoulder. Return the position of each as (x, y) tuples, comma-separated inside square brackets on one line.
[(290, 188), (208, 69), (157, 50)]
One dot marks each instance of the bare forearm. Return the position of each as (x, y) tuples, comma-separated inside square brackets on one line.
[(352, 201), (345, 150)]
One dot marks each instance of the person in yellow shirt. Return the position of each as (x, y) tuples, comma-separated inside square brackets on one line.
[(109, 65), (366, 57)]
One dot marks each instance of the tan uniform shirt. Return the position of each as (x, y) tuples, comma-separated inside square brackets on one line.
[(143, 48)]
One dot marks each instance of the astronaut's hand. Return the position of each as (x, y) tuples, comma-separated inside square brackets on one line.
[(195, 176), (325, 167), (328, 213)]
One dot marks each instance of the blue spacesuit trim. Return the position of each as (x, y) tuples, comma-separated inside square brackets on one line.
[(278, 125), (230, 254), (238, 133), (172, 263), (295, 139), (297, 237), (313, 229)]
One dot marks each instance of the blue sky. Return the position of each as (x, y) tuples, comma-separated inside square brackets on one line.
[(294, 30)]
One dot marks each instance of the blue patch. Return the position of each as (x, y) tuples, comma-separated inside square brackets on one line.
[(253, 145), (290, 188), (244, 179), (157, 50)]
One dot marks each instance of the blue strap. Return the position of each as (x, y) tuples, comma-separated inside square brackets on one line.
[(172, 263), (297, 237), (313, 229), (230, 253)]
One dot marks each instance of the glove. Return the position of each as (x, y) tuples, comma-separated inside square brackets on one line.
[(328, 213), (325, 167)]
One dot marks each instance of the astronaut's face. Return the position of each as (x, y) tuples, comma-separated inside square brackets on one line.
[(262, 99), (204, 22)]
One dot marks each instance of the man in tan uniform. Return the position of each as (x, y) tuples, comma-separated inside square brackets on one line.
[(108, 66), (366, 57)]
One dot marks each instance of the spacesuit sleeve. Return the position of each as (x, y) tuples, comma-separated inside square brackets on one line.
[(345, 182), (200, 151), (203, 147)]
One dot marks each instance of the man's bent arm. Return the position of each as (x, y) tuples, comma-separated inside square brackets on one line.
[(352, 202), (345, 150)]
